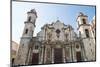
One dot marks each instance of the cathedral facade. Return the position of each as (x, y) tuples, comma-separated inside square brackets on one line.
[(56, 42)]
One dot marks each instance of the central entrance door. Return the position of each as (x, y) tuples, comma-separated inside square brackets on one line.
[(58, 55), (35, 58), (78, 56)]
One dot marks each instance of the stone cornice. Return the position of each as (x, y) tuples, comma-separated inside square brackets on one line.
[(26, 37), (83, 25), (30, 22)]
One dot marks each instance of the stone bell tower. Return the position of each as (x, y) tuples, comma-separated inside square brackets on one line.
[(86, 36), (23, 52)]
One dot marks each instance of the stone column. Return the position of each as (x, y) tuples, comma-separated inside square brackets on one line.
[(83, 52), (31, 55), (68, 54), (64, 60), (28, 58), (41, 55), (70, 50), (52, 54), (42, 49), (74, 53), (45, 55)]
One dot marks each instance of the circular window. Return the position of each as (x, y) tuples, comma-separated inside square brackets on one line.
[(57, 31)]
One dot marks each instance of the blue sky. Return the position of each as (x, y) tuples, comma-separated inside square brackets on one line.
[(47, 13)]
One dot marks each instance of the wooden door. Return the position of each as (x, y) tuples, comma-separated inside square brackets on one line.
[(78, 56), (35, 58), (58, 55)]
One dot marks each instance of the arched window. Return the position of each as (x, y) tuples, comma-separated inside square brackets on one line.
[(26, 31), (87, 33), (84, 21)]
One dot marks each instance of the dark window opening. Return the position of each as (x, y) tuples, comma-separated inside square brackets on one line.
[(13, 60), (87, 33), (36, 47), (84, 21), (58, 55), (78, 56), (77, 46), (26, 31), (35, 58), (29, 19)]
